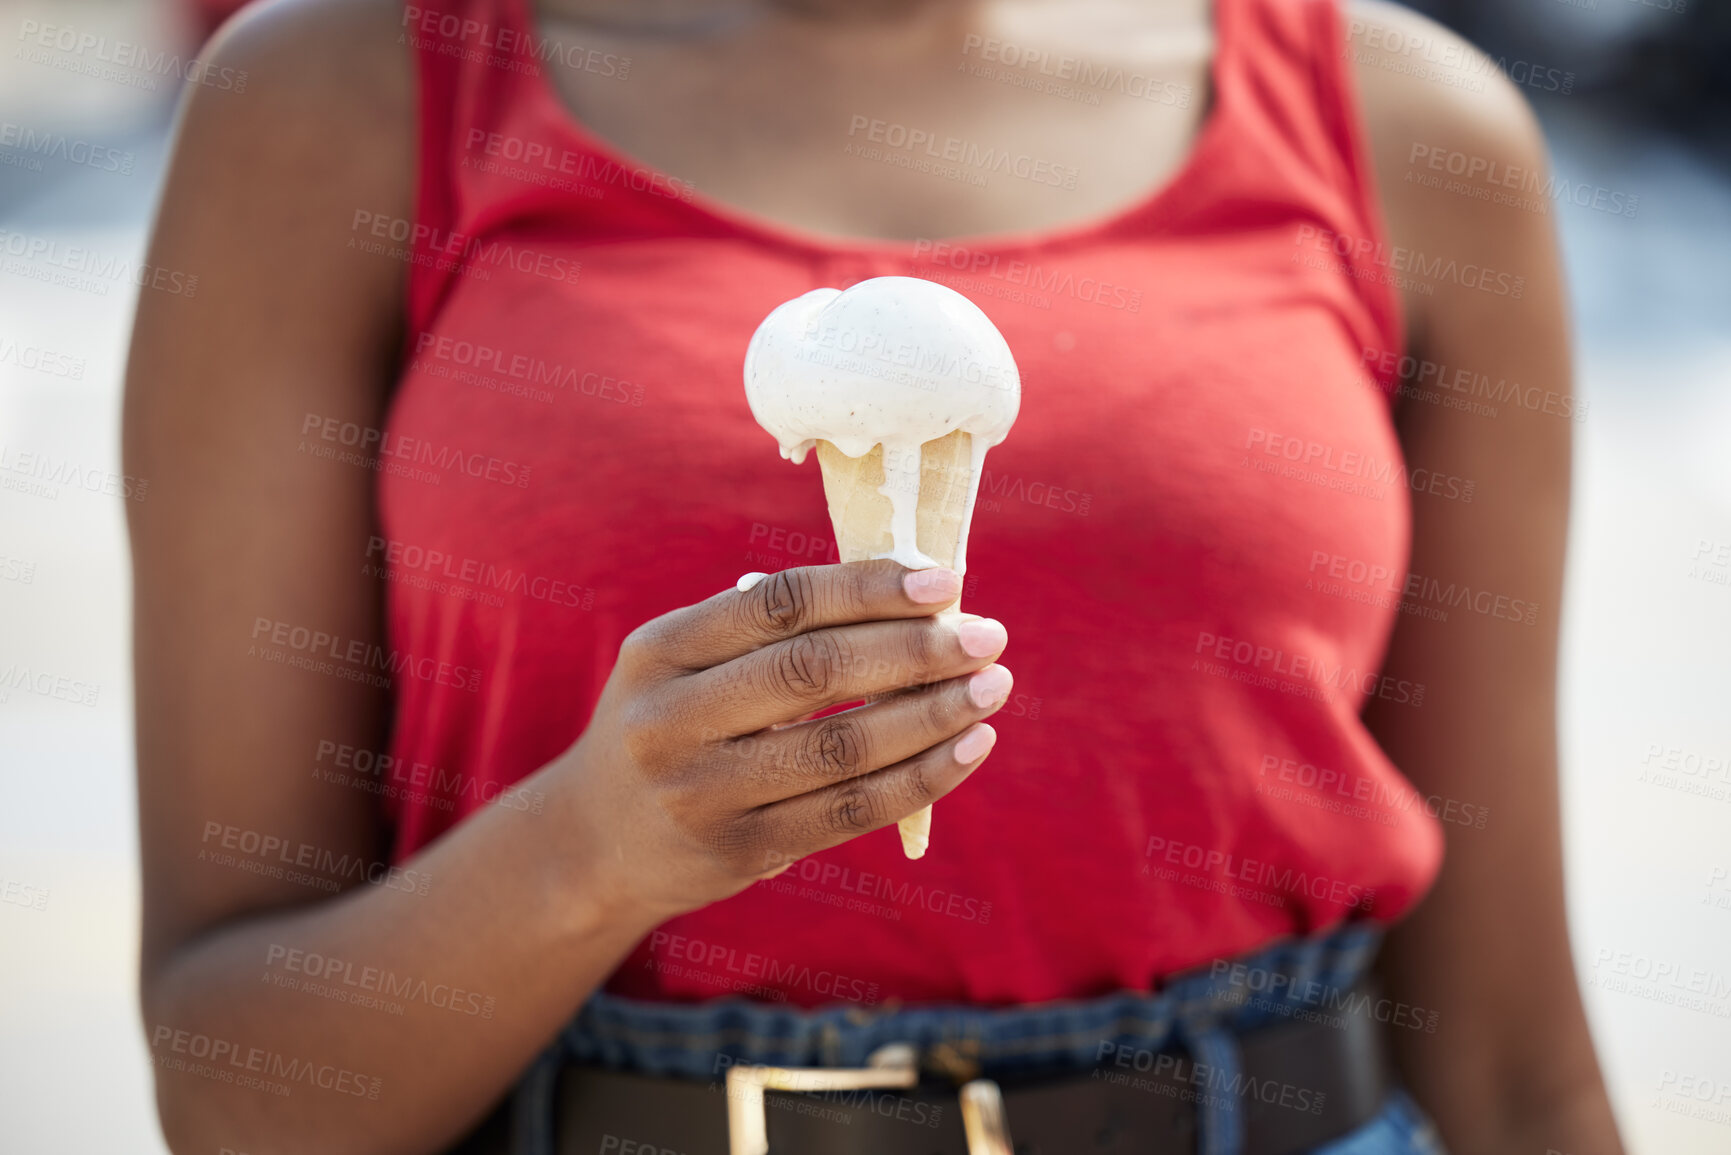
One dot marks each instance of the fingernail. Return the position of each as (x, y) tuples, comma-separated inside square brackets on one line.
[(932, 586), (990, 686), (982, 637), (976, 743), (749, 581)]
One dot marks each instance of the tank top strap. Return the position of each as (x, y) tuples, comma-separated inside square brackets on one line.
[(444, 37), (1286, 71), (495, 142)]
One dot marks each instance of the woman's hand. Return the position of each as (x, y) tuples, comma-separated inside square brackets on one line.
[(694, 777)]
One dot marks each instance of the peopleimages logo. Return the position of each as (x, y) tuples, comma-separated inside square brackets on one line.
[(378, 980), (89, 47), (45, 259), (1037, 279), (1429, 57), (23, 894), (415, 780), (719, 959), (16, 569), (1662, 980), (40, 473), (41, 360), (447, 249), (1306, 670), (1282, 988), (226, 1059), (890, 1104), (1074, 73), (1398, 260), (831, 877), (1349, 470), (524, 369), (500, 46), (871, 353), (1483, 172), (1271, 879), (1374, 583), (575, 171), (38, 146), (1419, 374), (49, 685), (1389, 797), (257, 849), (1694, 1096), (954, 150), (1168, 1068), (353, 656), (474, 572), (404, 450)]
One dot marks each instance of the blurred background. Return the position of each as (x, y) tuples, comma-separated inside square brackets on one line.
[(1647, 638)]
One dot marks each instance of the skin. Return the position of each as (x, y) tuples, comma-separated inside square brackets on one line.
[(1512, 1067), (539, 908)]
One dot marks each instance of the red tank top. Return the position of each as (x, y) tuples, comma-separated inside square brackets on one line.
[(1196, 532)]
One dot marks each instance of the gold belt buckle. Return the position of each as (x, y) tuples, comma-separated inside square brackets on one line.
[(889, 1067)]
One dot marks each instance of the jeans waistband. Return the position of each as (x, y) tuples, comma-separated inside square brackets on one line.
[(1199, 1012)]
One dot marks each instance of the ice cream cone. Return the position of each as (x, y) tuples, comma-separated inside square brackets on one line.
[(862, 514), (911, 377)]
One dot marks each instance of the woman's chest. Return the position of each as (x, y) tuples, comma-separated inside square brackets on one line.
[(994, 117), (1183, 422)]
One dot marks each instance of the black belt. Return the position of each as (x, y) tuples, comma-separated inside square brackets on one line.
[(1300, 1085)]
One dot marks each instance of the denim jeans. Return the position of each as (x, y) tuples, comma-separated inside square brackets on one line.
[(1200, 1012)]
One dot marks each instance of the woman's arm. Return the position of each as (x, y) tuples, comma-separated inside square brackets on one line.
[(1511, 1067), (493, 936), (241, 527)]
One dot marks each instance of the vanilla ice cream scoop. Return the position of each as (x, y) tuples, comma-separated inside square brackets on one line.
[(893, 361), (901, 385)]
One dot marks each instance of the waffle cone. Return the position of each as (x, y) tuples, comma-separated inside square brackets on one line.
[(861, 516)]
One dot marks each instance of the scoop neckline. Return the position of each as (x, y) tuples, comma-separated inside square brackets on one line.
[(1203, 143)]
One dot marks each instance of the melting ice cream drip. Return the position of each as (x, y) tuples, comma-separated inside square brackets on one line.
[(902, 486), (977, 466), (904, 473)]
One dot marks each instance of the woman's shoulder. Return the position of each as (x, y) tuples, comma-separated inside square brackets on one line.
[(361, 43), (1456, 147), (307, 135), (326, 88), (275, 173)]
